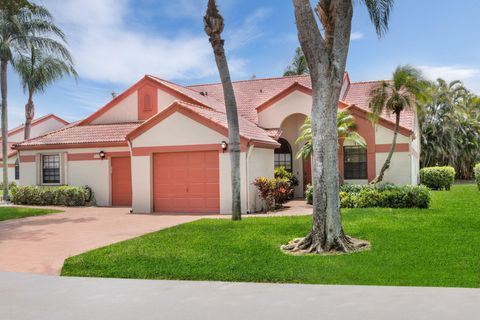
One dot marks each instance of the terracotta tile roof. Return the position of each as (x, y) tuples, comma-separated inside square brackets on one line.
[(274, 133), (248, 129), (86, 134), (358, 94), (211, 102), (252, 93)]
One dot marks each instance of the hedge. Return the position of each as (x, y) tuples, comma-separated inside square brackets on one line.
[(437, 178), (51, 196), (476, 171), (382, 195)]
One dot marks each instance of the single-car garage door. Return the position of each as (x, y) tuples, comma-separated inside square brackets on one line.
[(186, 182), (121, 181)]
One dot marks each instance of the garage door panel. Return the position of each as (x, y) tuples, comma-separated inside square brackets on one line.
[(186, 182), (121, 176)]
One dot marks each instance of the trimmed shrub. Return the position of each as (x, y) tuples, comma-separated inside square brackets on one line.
[(51, 196), (437, 178), (11, 185), (309, 194), (476, 171), (274, 192)]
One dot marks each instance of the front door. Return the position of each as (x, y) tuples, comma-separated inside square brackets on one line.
[(121, 181), (307, 173)]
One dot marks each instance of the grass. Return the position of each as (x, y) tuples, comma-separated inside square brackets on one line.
[(410, 247), (7, 213)]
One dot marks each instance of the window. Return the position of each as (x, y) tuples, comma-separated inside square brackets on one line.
[(283, 155), (17, 170), (51, 168), (355, 162), (147, 102)]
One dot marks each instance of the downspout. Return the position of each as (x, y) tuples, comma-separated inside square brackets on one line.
[(247, 175), (131, 160)]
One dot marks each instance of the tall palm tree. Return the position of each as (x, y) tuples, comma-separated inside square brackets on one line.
[(326, 49), (23, 25), (393, 97), (347, 131), (37, 71), (299, 64), (214, 25)]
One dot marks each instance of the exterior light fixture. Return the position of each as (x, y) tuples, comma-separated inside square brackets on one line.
[(224, 145), (101, 154)]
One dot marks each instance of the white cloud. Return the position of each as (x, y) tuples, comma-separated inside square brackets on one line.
[(107, 49), (469, 76), (356, 36), (248, 31)]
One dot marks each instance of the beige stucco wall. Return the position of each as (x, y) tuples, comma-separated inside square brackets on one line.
[(127, 109), (164, 100), (178, 130), (400, 167), (94, 173), (290, 132), (296, 102), (124, 111), (142, 184), (385, 136), (260, 163), (39, 129)]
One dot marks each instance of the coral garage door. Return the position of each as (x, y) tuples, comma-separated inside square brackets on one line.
[(186, 182), (121, 181)]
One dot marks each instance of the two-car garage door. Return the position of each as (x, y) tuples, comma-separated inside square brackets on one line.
[(186, 182)]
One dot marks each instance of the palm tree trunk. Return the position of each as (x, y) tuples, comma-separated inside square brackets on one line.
[(327, 66), (386, 165), (29, 115), (214, 28), (3, 84)]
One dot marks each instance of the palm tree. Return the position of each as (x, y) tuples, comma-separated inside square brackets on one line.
[(23, 25), (393, 97), (326, 50), (299, 64), (347, 131), (449, 118), (214, 25), (37, 71)]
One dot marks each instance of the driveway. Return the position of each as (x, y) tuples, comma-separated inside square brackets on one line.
[(41, 244), (28, 296)]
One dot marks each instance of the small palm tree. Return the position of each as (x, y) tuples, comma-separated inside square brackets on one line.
[(37, 71), (394, 97), (299, 64), (22, 25), (347, 130)]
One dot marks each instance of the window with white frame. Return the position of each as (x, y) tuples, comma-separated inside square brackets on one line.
[(51, 168), (355, 162)]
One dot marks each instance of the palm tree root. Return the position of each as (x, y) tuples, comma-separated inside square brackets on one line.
[(312, 245)]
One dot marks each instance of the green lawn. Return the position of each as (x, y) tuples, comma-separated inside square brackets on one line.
[(7, 213), (434, 247)]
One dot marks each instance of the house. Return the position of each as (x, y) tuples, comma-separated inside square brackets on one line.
[(163, 147), (39, 126)]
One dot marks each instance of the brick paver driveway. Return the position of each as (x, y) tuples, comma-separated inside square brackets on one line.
[(41, 244)]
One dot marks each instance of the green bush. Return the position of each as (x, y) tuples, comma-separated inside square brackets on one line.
[(309, 194), (11, 185), (437, 178), (476, 171), (48, 196)]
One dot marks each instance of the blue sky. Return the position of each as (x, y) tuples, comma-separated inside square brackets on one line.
[(116, 42)]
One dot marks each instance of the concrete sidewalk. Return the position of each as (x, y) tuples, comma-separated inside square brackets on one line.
[(28, 296)]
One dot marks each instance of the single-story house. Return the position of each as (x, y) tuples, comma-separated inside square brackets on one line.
[(163, 147), (39, 126)]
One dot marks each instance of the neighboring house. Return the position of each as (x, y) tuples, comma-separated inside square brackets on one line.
[(40, 126), (162, 147)]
